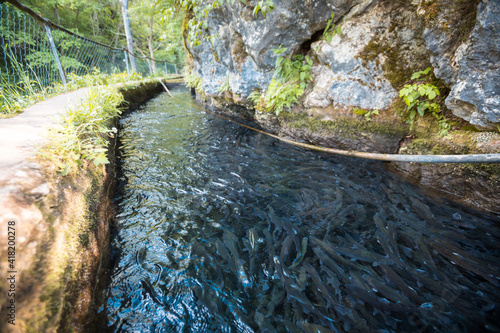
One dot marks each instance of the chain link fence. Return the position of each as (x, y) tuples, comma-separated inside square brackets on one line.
[(36, 54)]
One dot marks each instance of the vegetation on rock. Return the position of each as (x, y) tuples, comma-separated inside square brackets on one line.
[(291, 77), (418, 98)]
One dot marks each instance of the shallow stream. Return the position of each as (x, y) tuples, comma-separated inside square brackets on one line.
[(221, 229)]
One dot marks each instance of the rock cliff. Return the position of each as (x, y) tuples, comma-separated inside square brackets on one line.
[(381, 45)]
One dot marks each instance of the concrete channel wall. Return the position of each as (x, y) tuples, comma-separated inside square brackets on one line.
[(54, 241)]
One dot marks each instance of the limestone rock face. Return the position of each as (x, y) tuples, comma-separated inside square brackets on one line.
[(382, 43), (243, 46), (475, 96), (342, 77)]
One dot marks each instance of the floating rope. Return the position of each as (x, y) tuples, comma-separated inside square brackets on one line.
[(472, 158)]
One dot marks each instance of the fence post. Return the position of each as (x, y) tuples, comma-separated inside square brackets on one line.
[(175, 67), (56, 56), (126, 61)]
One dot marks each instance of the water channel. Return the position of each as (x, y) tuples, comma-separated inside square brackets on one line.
[(221, 229)]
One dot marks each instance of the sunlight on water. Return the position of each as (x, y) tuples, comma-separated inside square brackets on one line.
[(221, 229)]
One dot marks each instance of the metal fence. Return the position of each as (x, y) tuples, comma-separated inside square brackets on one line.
[(35, 51)]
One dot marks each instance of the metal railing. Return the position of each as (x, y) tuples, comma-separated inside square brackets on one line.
[(36, 52)]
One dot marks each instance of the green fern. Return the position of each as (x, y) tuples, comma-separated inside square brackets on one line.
[(194, 81), (225, 86), (255, 96), (290, 80)]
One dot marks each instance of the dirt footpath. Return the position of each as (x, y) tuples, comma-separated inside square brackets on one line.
[(20, 135)]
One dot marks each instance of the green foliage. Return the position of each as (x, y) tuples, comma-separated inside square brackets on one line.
[(14, 99), (331, 30), (26, 91), (255, 96), (368, 114), (97, 20), (418, 99), (157, 28), (193, 80), (265, 6), (197, 25), (225, 86), (102, 21), (290, 80), (84, 131)]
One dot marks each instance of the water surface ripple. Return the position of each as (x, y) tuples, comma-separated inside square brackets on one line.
[(221, 229)]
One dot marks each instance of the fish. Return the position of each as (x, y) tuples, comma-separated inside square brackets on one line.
[(435, 286), (401, 285), (270, 251), (285, 247), (303, 253), (362, 255), (388, 193), (356, 279), (348, 182), (422, 209), (274, 218), (204, 297), (306, 199), (224, 253), (277, 296), (380, 224), (200, 250), (294, 294), (324, 292), (287, 324), (292, 233), (332, 221), (253, 237), (333, 281), (302, 278), (242, 275), (264, 323), (387, 247), (149, 290), (230, 240), (460, 260), (333, 254), (377, 302), (320, 211), (327, 261), (386, 291)]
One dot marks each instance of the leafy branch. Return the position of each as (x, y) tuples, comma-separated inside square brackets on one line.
[(419, 97)]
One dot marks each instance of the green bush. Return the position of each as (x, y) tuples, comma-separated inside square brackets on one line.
[(290, 80), (418, 98)]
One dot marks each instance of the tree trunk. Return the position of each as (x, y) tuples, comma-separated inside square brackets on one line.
[(150, 45), (128, 34), (78, 10), (56, 11)]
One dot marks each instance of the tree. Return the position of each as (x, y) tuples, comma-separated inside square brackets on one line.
[(128, 33), (157, 26)]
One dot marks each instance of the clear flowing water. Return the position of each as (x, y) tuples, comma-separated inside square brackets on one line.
[(221, 229)]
